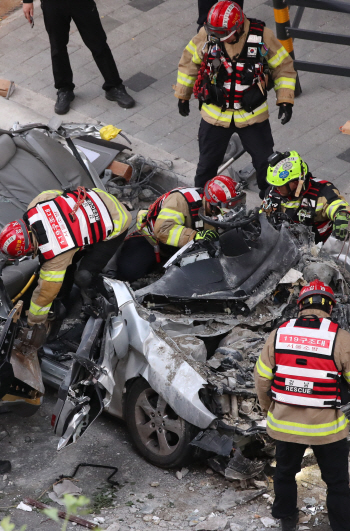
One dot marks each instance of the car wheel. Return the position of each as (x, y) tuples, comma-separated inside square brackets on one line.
[(158, 433)]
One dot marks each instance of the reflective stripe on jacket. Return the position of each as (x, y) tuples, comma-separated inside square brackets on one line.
[(279, 61), (173, 217), (53, 271), (316, 206), (303, 425), (306, 374), (58, 232)]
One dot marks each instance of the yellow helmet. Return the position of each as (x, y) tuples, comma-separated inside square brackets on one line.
[(285, 167)]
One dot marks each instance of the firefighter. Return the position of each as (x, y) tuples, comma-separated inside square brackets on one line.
[(298, 378), (295, 192), (204, 7), (228, 66), (56, 226), (172, 221)]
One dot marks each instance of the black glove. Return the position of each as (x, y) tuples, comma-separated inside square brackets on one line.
[(285, 112), (184, 107)]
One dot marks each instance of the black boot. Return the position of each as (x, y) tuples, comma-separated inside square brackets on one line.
[(5, 466), (290, 523), (64, 98), (120, 95)]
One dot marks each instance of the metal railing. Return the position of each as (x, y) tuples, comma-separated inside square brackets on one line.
[(294, 32)]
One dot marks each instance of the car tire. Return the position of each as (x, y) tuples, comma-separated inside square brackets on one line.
[(158, 433)]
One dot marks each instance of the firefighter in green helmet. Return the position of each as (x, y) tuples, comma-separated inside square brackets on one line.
[(304, 199)]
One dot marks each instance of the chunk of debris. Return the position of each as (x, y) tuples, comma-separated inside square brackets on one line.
[(212, 441), (6, 88), (56, 499), (216, 523), (62, 514), (269, 522), (239, 467), (305, 519), (231, 498), (310, 501), (184, 472), (154, 484), (24, 507), (113, 527), (66, 487), (178, 474)]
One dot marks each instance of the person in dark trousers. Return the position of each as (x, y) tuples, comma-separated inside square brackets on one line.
[(203, 9), (228, 66), (299, 376), (58, 15)]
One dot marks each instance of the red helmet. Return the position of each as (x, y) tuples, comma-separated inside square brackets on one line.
[(223, 191), (224, 19), (316, 292), (15, 240)]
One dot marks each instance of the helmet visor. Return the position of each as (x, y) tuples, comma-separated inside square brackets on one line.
[(222, 33)]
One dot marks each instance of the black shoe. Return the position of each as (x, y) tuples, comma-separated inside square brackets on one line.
[(64, 98), (290, 523), (262, 194), (5, 466), (120, 95)]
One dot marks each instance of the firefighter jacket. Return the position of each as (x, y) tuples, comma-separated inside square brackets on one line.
[(303, 424), (53, 262), (316, 206), (279, 63), (173, 218)]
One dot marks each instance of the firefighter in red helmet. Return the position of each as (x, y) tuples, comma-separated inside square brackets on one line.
[(229, 65), (204, 7), (55, 227), (172, 221), (299, 377)]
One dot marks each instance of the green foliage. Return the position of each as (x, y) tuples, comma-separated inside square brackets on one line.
[(52, 513), (103, 499), (8, 526), (72, 506)]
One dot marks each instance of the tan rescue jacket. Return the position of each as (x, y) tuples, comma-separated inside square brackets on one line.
[(279, 61), (53, 271), (303, 425), (174, 223), (328, 203)]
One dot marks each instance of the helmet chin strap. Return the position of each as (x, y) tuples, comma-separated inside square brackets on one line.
[(300, 183)]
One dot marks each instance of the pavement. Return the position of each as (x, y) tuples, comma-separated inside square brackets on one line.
[(147, 38), (145, 498)]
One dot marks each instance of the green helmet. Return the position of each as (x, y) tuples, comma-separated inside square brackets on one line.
[(285, 167)]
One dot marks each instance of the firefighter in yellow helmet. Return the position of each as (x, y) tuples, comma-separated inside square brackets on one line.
[(294, 191)]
